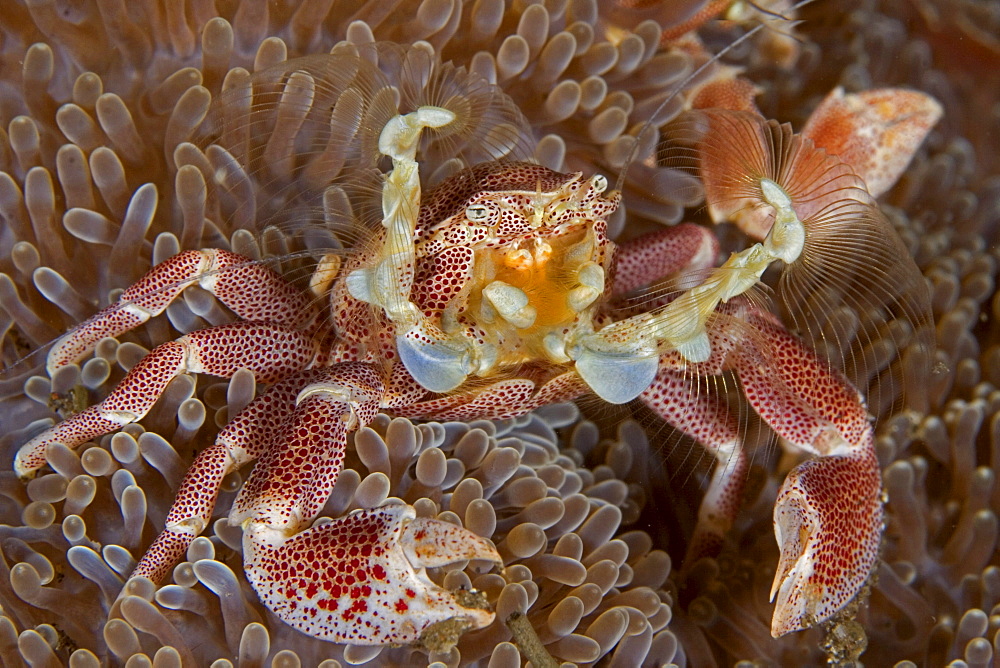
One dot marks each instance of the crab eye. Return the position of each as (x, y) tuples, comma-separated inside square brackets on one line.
[(477, 212), (599, 183)]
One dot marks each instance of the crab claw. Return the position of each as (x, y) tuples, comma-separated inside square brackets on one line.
[(876, 131), (361, 579), (828, 524)]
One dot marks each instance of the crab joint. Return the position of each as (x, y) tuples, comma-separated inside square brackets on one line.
[(388, 283), (683, 320), (617, 362)]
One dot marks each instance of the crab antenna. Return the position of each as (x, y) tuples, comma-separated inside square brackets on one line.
[(630, 156)]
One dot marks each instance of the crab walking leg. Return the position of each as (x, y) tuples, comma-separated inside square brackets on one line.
[(250, 289), (500, 400), (657, 255), (828, 515), (361, 578), (675, 395), (694, 410), (240, 442), (270, 351)]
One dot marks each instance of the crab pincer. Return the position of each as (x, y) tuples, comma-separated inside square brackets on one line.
[(828, 514), (828, 522), (362, 578), (808, 197)]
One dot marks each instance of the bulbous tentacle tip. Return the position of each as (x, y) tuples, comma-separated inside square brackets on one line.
[(828, 524)]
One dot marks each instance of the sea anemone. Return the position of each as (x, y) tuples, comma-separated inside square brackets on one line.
[(100, 181), (97, 183)]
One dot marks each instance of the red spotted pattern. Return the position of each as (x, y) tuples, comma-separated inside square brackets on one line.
[(360, 578), (688, 404), (875, 131), (250, 289), (333, 581), (441, 278), (829, 517), (352, 580), (646, 259)]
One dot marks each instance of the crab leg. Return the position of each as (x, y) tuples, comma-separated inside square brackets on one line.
[(499, 400), (250, 289), (643, 260), (220, 351), (676, 395), (690, 406), (361, 578), (240, 442), (828, 515), (331, 579)]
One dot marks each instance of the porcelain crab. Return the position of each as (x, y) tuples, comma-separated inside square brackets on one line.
[(499, 291)]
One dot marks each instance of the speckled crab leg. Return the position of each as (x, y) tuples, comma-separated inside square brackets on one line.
[(332, 579), (678, 397), (503, 399), (663, 253), (361, 578), (828, 515), (240, 442), (688, 404), (250, 289), (220, 351)]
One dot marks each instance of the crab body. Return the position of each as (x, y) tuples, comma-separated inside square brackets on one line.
[(510, 257), (492, 294)]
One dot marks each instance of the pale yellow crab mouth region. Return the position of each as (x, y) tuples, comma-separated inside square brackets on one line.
[(546, 281)]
